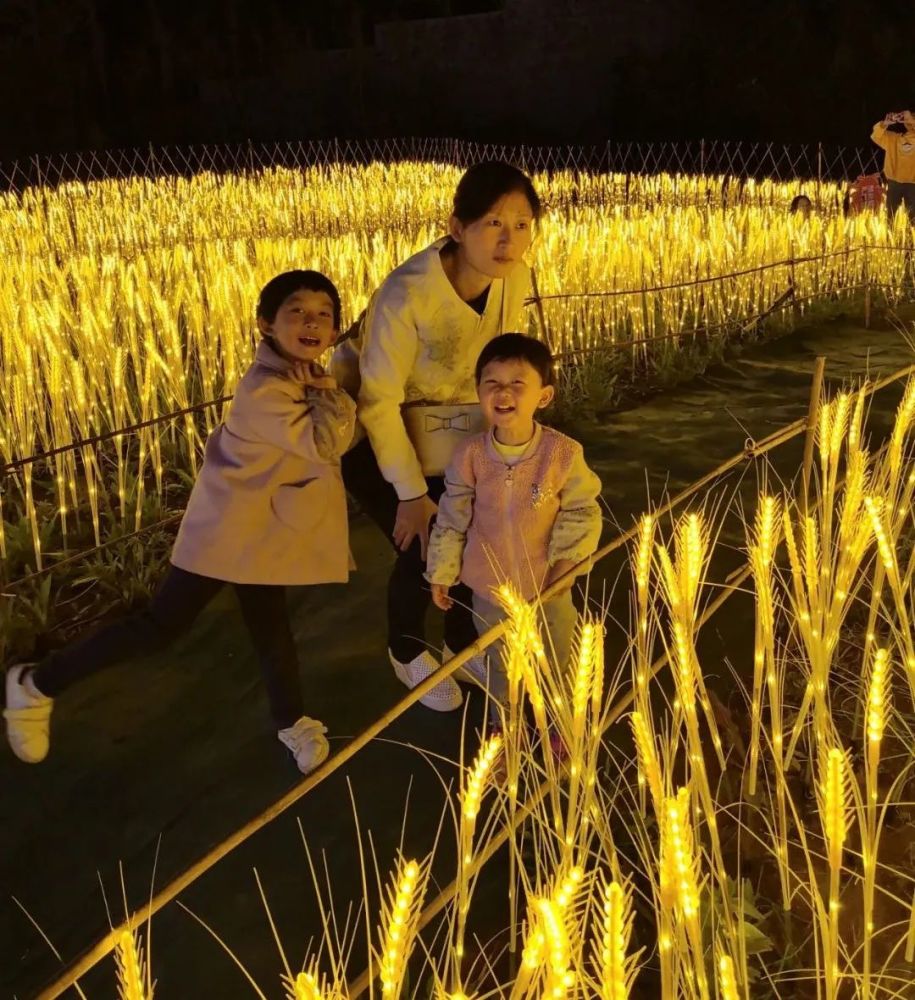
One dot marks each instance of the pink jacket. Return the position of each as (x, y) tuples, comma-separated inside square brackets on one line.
[(269, 506), (500, 522)]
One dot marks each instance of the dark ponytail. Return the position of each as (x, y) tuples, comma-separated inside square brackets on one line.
[(485, 183)]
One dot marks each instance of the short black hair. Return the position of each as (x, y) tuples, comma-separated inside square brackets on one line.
[(796, 202), (485, 183), (518, 347), (278, 289)]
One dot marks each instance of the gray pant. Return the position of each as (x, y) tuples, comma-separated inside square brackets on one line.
[(897, 194), (557, 626)]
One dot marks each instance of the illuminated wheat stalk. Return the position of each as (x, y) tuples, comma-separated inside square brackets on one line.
[(681, 587), (512, 654), (584, 741), (400, 918), (679, 880), (311, 985), (890, 568), (727, 979), (546, 954), (471, 797), (910, 936), (904, 414), (841, 410), (132, 982), (559, 978), (833, 805), (807, 594), (641, 561), (536, 673), (762, 551), (533, 954), (877, 697), (524, 658), (762, 548), (648, 766), (617, 967)]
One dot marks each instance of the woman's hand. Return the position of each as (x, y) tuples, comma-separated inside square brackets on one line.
[(440, 597), (312, 376), (412, 521)]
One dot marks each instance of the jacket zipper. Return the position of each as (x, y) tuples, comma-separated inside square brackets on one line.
[(509, 535)]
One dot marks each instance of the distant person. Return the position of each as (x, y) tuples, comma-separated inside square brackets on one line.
[(896, 136), (801, 205), (267, 511), (520, 503), (866, 193), (412, 369)]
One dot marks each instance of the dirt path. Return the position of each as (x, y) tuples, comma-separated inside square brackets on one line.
[(181, 746)]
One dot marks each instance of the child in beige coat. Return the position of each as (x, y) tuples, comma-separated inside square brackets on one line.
[(268, 511)]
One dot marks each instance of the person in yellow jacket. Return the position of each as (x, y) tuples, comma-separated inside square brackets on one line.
[(896, 136)]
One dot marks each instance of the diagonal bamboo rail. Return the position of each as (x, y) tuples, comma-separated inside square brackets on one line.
[(106, 945)]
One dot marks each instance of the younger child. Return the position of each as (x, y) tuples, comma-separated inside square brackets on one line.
[(268, 511), (520, 503)]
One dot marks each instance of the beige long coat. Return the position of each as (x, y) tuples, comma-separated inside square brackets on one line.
[(269, 506)]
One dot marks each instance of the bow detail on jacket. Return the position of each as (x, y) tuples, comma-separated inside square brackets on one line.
[(459, 422)]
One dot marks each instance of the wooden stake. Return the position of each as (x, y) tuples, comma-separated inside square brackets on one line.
[(538, 305), (813, 411)]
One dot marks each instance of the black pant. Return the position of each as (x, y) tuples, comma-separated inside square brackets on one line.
[(898, 193), (179, 600), (409, 595)]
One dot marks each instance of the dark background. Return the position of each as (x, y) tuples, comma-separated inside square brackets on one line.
[(80, 74)]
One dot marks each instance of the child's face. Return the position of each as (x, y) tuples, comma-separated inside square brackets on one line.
[(303, 328), (494, 244), (510, 394)]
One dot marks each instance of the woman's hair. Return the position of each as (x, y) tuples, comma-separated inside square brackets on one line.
[(797, 201), (518, 347), (485, 183), (278, 289)]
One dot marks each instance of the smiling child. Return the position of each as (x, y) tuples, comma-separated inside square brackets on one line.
[(520, 503)]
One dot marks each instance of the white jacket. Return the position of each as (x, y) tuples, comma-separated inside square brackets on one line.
[(420, 342)]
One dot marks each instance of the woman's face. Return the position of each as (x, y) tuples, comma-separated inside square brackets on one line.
[(495, 243)]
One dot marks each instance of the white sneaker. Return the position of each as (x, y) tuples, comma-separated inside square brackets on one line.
[(474, 671), (307, 742), (28, 716), (444, 697)]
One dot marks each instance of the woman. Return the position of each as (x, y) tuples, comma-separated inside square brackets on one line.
[(412, 370), (895, 135)]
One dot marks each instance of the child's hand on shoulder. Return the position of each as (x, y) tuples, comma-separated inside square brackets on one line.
[(440, 597), (312, 376)]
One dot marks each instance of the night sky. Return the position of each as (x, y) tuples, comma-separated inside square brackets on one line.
[(79, 74)]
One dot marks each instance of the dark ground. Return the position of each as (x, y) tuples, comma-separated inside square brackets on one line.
[(181, 747)]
